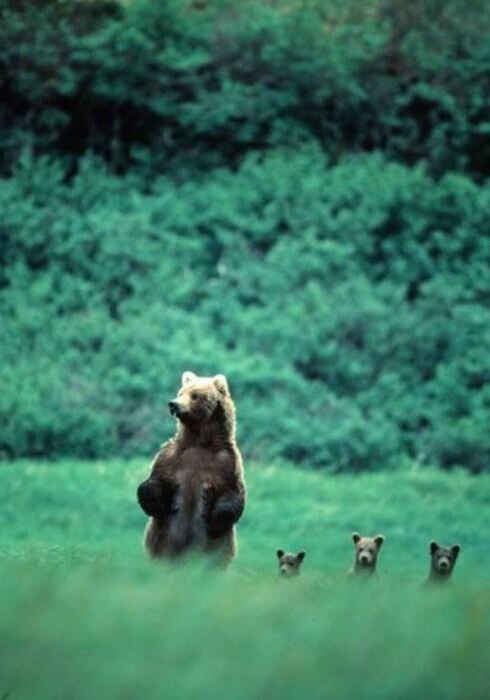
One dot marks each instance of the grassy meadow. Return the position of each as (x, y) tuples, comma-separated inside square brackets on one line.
[(85, 615)]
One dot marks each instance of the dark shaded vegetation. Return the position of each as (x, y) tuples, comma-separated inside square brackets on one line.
[(292, 194), (187, 85)]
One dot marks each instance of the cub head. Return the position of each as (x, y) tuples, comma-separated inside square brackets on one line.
[(200, 398), (443, 559), (289, 564), (367, 550)]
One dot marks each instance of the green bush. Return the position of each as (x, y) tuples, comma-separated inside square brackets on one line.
[(180, 85), (348, 305), (292, 194)]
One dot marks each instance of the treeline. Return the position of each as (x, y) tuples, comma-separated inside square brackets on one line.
[(192, 84), (291, 193)]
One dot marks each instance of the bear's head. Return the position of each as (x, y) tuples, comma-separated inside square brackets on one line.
[(367, 550), (443, 559), (289, 564), (201, 398)]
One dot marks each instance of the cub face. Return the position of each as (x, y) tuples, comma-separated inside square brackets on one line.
[(367, 550), (199, 397), (443, 559), (289, 564)]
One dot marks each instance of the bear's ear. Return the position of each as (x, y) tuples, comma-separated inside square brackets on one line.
[(188, 377), (300, 556), (356, 537), (434, 547), (379, 539), (455, 549), (280, 553), (221, 384)]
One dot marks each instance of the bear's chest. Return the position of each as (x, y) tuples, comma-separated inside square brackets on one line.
[(202, 464)]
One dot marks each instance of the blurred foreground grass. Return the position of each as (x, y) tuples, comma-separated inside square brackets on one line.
[(84, 615)]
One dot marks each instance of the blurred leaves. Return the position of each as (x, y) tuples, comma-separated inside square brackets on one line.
[(348, 305), (189, 85)]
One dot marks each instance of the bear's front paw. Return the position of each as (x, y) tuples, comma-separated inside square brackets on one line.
[(151, 497), (220, 521)]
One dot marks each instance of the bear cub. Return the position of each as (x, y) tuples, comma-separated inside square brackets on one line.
[(289, 564), (442, 562), (366, 554)]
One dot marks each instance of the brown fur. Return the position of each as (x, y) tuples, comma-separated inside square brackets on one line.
[(289, 564), (442, 562), (195, 492), (366, 557)]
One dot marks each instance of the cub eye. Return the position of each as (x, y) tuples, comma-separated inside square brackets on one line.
[(194, 396)]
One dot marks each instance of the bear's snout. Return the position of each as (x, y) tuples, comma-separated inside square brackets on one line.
[(173, 407), (365, 558)]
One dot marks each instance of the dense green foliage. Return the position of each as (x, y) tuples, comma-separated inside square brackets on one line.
[(84, 615), (348, 305), (201, 82), (289, 193)]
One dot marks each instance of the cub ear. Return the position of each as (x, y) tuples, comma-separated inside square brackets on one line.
[(221, 384), (356, 537), (188, 377), (455, 549), (434, 547), (379, 539), (280, 553), (300, 556)]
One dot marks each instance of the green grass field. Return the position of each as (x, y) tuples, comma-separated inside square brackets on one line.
[(85, 615)]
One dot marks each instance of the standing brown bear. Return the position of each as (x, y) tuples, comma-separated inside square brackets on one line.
[(195, 492)]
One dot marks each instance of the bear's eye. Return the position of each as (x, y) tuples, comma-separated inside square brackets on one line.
[(194, 396)]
